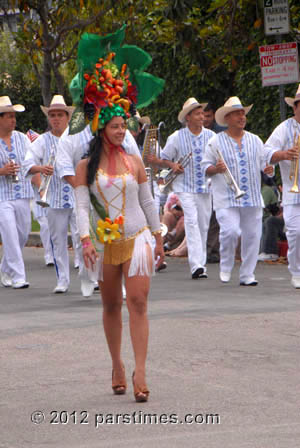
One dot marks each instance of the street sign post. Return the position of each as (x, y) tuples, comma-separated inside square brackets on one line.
[(276, 17)]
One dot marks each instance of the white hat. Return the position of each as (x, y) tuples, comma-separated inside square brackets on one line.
[(291, 101), (188, 106), (6, 106), (231, 105), (143, 120), (58, 103)]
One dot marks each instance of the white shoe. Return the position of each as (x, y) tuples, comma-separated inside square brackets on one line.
[(296, 282), (5, 279), (87, 288), (267, 257), (20, 285), (60, 289), (225, 277)]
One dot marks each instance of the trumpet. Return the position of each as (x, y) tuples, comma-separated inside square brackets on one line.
[(171, 176), (14, 177), (230, 179), (294, 171), (46, 182)]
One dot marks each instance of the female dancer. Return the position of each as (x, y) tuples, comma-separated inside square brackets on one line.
[(118, 181)]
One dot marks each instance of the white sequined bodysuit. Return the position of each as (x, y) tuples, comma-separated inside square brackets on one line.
[(122, 198)]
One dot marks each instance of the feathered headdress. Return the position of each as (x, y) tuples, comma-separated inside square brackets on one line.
[(110, 80)]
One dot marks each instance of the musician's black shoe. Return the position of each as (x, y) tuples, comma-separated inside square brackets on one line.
[(198, 272), (253, 283)]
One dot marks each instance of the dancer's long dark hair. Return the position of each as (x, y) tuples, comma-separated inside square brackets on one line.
[(94, 156)]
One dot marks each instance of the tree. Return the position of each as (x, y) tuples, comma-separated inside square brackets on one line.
[(50, 32)]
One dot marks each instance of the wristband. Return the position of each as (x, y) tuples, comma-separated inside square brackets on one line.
[(86, 244)]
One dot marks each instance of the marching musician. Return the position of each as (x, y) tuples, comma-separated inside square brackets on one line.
[(283, 146), (15, 195), (60, 194), (243, 155), (190, 185)]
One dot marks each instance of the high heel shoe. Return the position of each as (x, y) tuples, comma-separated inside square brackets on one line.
[(120, 387), (140, 395)]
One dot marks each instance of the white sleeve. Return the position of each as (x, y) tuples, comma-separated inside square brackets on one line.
[(210, 154), (82, 198), (170, 151), (130, 145), (34, 155), (276, 141), (148, 205), (64, 158)]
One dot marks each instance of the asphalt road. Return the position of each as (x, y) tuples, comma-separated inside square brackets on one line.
[(223, 365)]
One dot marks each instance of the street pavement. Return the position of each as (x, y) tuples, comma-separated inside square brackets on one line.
[(223, 365)]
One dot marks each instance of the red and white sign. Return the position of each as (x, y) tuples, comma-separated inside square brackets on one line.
[(279, 64)]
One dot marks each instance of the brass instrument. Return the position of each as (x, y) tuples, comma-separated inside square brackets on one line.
[(14, 177), (171, 176), (46, 182), (230, 179), (149, 148), (294, 171)]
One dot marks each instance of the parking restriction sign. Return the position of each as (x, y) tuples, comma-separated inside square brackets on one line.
[(279, 64), (277, 17)]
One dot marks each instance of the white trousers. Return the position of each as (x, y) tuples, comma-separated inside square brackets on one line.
[(15, 225), (291, 216), (45, 238), (75, 240), (59, 220), (197, 211), (235, 222)]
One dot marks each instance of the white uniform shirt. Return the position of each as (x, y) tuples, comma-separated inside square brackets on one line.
[(282, 139), (180, 144), (10, 191), (60, 192), (245, 165), (72, 148)]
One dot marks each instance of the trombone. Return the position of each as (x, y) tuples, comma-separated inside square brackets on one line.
[(46, 182), (171, 176), (294, 171), (230, 179)]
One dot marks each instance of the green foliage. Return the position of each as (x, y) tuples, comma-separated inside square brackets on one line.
[(206, 49)]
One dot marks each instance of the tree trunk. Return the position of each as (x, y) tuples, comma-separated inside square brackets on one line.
[(46, 79)]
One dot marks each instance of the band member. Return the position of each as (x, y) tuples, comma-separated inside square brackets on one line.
[(242, 154), (15, 195), (190, 185), (283, 146), (60, 194)]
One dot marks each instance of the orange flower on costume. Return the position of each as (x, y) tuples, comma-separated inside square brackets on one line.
[(108, 230)]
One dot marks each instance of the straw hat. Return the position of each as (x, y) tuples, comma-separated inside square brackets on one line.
[(231, 105), (291, 101), (58, 103), (6, 106), (188, 106), (143, 120)]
